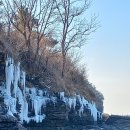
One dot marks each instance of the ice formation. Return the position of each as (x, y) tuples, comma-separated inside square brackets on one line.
[(9, 74), (16, 93), (16, 89), (83, 104)]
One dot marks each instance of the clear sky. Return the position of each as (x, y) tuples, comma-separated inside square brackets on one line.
[(107, 54)]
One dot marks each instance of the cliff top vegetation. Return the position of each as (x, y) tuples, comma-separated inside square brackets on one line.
[(45, 36)]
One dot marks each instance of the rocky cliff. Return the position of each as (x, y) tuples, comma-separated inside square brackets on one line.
[(36, 105)]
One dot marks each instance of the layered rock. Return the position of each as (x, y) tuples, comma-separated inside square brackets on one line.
[(34, 106), (8, 122)]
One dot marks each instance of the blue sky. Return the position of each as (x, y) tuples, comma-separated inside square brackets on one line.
[(107, 54)]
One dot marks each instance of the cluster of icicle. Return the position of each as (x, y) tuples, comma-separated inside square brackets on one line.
[(83, 105), (16, 93)]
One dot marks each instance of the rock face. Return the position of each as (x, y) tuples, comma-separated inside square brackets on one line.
[(117, 122), (60, 115), (37, 106), (8, 122)]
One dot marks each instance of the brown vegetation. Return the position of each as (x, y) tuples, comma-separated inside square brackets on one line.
[(41, 55)]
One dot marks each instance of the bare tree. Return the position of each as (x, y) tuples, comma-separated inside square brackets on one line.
[(1, 14), (33, 19), (74, 28)]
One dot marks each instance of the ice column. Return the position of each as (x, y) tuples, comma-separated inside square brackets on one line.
[(9, 74)]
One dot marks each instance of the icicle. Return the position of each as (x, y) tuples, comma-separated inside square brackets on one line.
[(36, 109), (23, 77), (21, 102), (81, 105), (8, 100), (9, 74), (16, 77), (62, 97), (93, 109), (25, 112), (38, 102), (72, 102)]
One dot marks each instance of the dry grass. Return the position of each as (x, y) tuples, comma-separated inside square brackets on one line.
[(47, 70)]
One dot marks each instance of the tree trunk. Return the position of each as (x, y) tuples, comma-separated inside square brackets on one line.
[(63, 65)]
